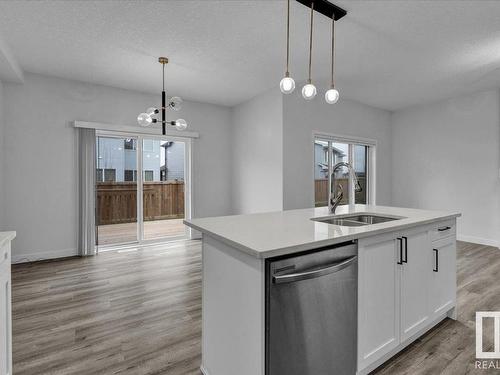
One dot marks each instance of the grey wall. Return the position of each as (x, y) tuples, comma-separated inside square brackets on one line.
[(348, 118), (257, 152), (446, 156), (2, 158), (41, 163)]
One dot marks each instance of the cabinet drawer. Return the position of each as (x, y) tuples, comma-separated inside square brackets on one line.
[(443, 229)]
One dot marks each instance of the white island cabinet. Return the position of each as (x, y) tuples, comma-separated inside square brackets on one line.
[(406, 279), (407, 284), (5, 304)]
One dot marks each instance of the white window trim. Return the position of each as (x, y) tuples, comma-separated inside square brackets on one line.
[(345, 138), (153, 130), (371, 161)]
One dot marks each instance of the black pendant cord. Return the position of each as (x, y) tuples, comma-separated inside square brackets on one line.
[(311, 41), (287, 73), (333, 53), (163, 103)]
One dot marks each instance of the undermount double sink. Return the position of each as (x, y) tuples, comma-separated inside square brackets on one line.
[(356, 220)]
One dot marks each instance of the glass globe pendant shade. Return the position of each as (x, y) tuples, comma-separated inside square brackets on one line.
[(152, 111), (309, 91), (181, 124), (332, 96), (175, 103), (144, 119), (287, 85)]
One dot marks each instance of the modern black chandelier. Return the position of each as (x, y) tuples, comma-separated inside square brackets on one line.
[(287, 84), (150, 116)]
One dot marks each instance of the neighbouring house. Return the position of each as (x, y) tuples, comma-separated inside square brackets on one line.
[(340, 153), (321, 159), (117, 160)]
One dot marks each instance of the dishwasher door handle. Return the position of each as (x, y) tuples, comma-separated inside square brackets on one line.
[(314, 273)]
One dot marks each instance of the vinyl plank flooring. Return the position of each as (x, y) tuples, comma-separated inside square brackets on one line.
[(138, 312), (131, 312), (449, 348)]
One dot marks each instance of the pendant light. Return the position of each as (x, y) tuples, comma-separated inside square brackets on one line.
[(149, 117), (309, 90), (287, 84), (332, 95)]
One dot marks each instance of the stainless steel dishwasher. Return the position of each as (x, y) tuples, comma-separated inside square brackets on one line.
[(311, 312)]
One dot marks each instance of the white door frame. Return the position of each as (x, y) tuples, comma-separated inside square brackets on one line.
[(140, 180)]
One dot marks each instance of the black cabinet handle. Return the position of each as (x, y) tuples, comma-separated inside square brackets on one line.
[(405, 260), (443, 229), (400, 259), (436, 253)]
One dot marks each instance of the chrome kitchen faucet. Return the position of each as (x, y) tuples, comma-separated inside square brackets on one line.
[(335, 199)]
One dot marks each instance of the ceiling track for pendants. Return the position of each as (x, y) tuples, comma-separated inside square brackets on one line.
[(326, 8)]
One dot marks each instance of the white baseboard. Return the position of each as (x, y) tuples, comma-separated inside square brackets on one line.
[(43, 255), (479, 240)]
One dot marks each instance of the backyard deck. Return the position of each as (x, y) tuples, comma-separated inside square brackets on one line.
[(127, 232)]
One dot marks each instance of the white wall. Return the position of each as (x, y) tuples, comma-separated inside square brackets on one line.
[(2, 158), (257, 140), (301, 118), (41, 160), (446, 156)]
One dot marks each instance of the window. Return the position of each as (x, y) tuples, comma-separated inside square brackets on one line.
[(148, 175), (99, 177), (130, 175), (129, 144), (110, 175), (352, 152)]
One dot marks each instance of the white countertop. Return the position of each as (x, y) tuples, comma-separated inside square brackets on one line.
[(6, 236), (271, 234)]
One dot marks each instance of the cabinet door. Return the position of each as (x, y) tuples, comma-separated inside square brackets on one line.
[(443, 276), (378, 299), (415, 265)]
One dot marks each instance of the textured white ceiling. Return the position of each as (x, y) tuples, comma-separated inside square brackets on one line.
[(390, 54)]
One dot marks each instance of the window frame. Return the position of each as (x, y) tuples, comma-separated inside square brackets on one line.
[(187, 139), (152, 175), (134, 175), (109, 170), (99, 175), (371, 145)]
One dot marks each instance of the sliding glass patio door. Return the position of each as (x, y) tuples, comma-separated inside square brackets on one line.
[(116, 190), (163, 188), (142, 189)]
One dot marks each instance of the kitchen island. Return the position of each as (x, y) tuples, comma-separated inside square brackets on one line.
[(406, 278)]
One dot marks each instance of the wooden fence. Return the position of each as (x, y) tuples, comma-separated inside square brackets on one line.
[(116, 202), (321, 191)]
